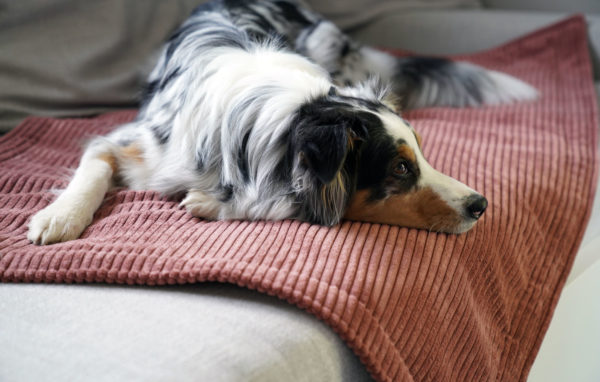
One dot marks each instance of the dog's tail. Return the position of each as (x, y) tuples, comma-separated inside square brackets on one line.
[(424, 82), (416, 81)]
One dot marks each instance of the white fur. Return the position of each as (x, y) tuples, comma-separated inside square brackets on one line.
[(506, 89)]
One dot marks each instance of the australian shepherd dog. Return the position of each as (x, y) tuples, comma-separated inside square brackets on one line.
[(265, 110)]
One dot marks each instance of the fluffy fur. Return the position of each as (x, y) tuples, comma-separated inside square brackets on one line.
[(263, 110)]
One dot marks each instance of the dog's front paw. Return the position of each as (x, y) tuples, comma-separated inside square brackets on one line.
[(202, 205), (55, 224)]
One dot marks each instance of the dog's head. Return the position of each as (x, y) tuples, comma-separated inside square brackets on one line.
[(355, 157)]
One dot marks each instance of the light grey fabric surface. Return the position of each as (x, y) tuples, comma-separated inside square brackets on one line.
[(206, 332)]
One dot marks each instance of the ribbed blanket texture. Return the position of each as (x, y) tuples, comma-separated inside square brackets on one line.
[(414, 305)]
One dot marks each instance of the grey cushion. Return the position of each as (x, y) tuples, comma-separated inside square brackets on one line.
[(463, 31), (583, 6), (351, 13), (68, 57)]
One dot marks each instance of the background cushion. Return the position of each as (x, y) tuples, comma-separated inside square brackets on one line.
[(68, 57), (457, 31), (352, 13)]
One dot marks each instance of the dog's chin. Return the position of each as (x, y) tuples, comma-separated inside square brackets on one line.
[(463, 227), (460, 227), (457, 228)]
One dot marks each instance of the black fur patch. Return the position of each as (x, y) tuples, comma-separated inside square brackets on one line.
[(227, 193), (377, 156), (200, 165), (291, 12), (168, 78), (243, 158), (416, 68), (162, 133), (345, 49), (148, 91)]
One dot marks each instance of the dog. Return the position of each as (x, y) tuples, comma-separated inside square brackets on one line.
[(265, 110)]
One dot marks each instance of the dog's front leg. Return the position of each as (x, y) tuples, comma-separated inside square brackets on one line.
[(67, 217)]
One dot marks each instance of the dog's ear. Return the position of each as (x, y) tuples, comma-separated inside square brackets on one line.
[(324, 150), (324, 140)]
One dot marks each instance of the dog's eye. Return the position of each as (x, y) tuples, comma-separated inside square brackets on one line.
[(401, 168)]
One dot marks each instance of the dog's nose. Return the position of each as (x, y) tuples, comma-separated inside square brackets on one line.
[(476, 205)]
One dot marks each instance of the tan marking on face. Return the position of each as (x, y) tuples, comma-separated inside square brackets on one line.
[(418, 209), (406, 152), (110, 159), (418, 136), (132, 152)]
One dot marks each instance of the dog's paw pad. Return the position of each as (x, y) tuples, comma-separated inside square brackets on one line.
[(52, 225)]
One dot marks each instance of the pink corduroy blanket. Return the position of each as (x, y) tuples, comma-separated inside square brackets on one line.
[(413, 305)]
